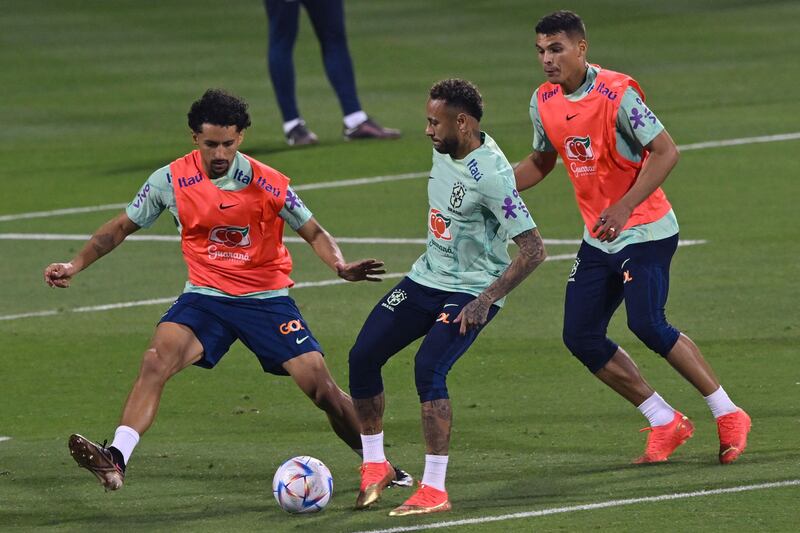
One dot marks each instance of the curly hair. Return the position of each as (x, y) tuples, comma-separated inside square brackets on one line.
[(566, 21), (220, 108), (461, 94)]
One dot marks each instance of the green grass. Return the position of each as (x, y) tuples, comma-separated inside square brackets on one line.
[(94, 99)]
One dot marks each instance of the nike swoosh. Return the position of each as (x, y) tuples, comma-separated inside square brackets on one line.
[(221, 206), (570, 117), (430, 177), (301, 341), (449, 305)]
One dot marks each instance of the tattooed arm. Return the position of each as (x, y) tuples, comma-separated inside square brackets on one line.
[(105, 239), (531, 255)]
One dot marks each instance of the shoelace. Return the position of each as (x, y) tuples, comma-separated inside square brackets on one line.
[(731, 423), (371, 475), (657, 438), (425, 496), (105, 449)]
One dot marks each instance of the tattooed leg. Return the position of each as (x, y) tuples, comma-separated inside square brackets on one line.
[(370, 413), (437, 418)]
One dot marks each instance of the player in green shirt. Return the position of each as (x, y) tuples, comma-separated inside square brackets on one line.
[(452, 291)]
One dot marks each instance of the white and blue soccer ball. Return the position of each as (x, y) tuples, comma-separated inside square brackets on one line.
[(302, 484)]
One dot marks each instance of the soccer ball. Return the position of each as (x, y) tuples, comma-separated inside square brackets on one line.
[(302, 485)]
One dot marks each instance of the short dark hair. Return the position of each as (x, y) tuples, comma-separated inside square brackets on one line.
[(220, 108), (566, 21), (461, 94)]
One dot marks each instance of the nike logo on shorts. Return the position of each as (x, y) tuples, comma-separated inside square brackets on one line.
[(301, 341), (449, 305)]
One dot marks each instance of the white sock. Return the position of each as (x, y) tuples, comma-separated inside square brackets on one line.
[(435, 471), (354, 119), (289, 126), (719, 403), (657, 411), (373, 448), (125, 440)]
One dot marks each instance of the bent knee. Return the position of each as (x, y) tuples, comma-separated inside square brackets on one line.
[(594, 351), (658, 336), (159, 363)]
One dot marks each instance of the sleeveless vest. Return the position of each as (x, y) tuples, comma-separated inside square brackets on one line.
[(232, 240), (584, 134)]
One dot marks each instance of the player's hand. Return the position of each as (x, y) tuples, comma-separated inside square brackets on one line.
[(59, 274), (611, 221), (365, 269), (474, 314)]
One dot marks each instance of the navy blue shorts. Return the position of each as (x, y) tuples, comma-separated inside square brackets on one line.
[(599, 282), (272, 328), (404, 314)]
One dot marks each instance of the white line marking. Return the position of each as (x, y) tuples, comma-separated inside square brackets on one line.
[(738, 142), (161, 301), (359, 181), (177, 238), (58, 212), (588, 507), (396, 177), (4, 438), (301, 285), (293, 240)]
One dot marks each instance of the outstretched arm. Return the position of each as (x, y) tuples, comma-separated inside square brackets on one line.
[(663, 157), (534, 168), (105, 239), (326, 248), (531, 255)]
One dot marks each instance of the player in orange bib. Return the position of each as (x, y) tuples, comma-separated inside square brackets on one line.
[(230, 210), (617, 154)]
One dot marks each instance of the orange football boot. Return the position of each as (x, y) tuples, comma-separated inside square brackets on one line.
[(374, 478), (732, 429), (663, 440), (426, 500)]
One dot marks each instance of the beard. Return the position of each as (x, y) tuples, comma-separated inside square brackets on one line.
[(448, 146)]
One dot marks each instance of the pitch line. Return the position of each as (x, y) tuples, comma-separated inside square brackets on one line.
[(293, 240), (301, 285), (2, 439), (589, 507), (397, 177), (162, 301)]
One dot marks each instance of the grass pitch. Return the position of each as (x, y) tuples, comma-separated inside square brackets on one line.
[(95, 96)]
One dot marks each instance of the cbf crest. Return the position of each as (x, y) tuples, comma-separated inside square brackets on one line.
[(457, 195), (574, 269), (394, 299)]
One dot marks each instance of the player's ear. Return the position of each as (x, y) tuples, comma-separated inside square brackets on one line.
[(194, 138), (461, 122)]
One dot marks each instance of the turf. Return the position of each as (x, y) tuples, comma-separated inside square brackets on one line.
[(94, 99)]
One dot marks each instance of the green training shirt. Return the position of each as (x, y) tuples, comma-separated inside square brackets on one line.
[(474, 210), (157, 194)]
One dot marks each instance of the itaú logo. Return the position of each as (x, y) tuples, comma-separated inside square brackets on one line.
[(230, 236)]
